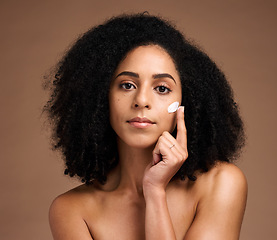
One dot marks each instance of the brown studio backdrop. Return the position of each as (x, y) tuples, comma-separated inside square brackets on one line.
[(239, 35)]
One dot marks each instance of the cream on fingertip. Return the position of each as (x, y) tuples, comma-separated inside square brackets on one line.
[(173, 107)]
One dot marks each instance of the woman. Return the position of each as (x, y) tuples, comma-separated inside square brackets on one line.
[(151, 170)]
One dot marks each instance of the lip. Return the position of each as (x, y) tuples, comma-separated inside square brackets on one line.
[(139, 122)]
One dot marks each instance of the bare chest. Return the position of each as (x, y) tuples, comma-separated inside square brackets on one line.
[(124, 218)]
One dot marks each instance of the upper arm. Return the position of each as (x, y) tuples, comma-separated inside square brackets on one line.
[(66, 221), (220, 212)]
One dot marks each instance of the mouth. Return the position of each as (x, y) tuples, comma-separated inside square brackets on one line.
[(138, 122)]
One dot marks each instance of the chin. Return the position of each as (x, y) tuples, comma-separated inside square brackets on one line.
[(142, 146), (140, 139), (140, 142)]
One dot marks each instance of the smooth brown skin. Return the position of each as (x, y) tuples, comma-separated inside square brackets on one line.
[(139, 200)]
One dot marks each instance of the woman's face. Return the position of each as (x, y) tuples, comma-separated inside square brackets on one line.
[(145, 83)]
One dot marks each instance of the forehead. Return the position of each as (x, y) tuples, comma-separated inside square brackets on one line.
[(150, 58)]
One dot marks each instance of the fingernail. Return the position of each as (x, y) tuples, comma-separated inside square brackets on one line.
[(182, 108)]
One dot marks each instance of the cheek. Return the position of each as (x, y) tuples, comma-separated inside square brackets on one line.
[(172, 121), (114, 106), (117, 113), (167, 120)]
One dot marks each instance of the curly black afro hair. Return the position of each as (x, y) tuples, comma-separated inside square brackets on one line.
[(78, 106)]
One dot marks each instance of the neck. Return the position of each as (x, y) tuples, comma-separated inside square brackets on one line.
[(132, 164)]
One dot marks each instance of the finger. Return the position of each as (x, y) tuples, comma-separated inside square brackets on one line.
[(169, 150), (161, 148), (181, 128), (181, 150), (179, 153), (168, 155)]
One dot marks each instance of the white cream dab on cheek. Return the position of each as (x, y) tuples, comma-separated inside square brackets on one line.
[(173, 107)]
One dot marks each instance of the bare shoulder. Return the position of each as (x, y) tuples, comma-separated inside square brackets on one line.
[(222, 195), (224, 180), (224, 189), (227, 176), (227, 169), (67, 211), (73, 199)]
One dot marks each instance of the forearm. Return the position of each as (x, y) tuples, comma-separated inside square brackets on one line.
[(158, 224)]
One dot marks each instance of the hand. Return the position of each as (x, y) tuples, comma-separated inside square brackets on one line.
[(168, 156)]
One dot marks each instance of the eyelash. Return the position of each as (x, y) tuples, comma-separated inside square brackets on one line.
[(130, 85), (123, 85), (168, 90)]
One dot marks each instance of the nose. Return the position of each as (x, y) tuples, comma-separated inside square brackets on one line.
[(142, 99)]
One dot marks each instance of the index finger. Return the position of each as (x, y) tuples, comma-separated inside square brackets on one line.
[(181, 136)]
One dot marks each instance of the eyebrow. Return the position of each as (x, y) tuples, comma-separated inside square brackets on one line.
[(155, 76), (131, 74), (163, 75)]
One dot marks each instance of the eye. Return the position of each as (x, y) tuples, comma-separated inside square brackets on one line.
[(163, 89), (127, 86)]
